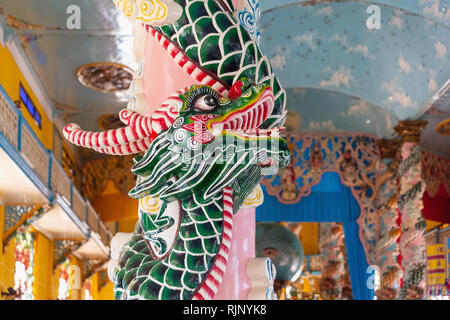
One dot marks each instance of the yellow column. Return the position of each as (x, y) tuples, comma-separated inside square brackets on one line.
[(106, 292), (94, 286), (309, 237), (54, 285), (43, 267), (6, 258)]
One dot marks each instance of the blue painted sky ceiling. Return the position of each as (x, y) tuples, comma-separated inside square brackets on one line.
[(328, 46), (339, 75)]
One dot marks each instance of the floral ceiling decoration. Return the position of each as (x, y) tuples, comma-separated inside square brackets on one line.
[(105, 76)]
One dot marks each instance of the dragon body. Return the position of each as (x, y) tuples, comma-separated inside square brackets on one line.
[(204, 150), (201, 169)]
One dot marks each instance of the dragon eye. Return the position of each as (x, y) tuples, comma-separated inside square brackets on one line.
[(206, 102)]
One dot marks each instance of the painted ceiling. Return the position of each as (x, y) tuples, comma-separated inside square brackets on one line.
[(57, 52), (339, 74)]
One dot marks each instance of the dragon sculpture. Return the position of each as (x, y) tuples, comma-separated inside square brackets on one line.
[(204, 149)]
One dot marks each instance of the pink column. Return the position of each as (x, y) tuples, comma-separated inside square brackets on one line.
[(236, 284)]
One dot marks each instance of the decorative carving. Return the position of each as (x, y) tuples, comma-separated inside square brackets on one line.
[(412, 243), (202, 150), (15, 23), (105, 76), (24, 264), (333, 261), (63, 249), (288, 177), (18, 218), (200, 176), (97, 173), (354, 157), (387, 249), (435, 172), (410, 130), (152, 12), (443, 128), (388, 148), (248, 16)]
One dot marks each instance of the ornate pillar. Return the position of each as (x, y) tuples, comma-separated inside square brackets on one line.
[(331, 242), (409, 201), (387, 248)]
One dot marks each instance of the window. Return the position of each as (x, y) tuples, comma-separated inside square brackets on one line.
[(24, 265), (25, 98)]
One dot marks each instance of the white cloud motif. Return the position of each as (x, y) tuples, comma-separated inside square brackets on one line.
[(358, 109), (307, 37), (404, 65), (342, 76), (432, 84), (397, 95), (441, 50), (343, 41), (278, 62), (328, 11), (396, 21), (322, 126), (435, 9)]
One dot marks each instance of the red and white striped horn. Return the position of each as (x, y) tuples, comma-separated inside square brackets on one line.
[(134, 138), (138, 128)]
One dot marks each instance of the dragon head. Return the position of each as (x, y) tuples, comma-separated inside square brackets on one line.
[(215, 142)]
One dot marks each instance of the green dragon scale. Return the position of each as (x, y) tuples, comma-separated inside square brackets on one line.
[(204, 150), (210, 36), (212, 146)]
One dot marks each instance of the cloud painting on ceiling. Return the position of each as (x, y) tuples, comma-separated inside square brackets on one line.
[(328, 46), (327, 111)]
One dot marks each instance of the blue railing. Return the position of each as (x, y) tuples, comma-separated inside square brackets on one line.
[(41, 166)]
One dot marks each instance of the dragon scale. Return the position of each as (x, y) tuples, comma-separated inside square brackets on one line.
[(202, 152)]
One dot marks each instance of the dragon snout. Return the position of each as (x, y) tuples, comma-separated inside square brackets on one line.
[(245, 114)]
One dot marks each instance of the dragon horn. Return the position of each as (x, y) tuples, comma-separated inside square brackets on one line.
[(138, 129), (127, 148)]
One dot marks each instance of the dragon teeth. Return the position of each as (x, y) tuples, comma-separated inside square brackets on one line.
[(217, 130)]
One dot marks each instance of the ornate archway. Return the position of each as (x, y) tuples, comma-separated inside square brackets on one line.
[(354, 158)]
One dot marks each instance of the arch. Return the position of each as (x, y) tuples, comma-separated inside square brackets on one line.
[(329, 201)]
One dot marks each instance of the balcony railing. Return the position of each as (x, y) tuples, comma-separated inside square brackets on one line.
[(44, 170)]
